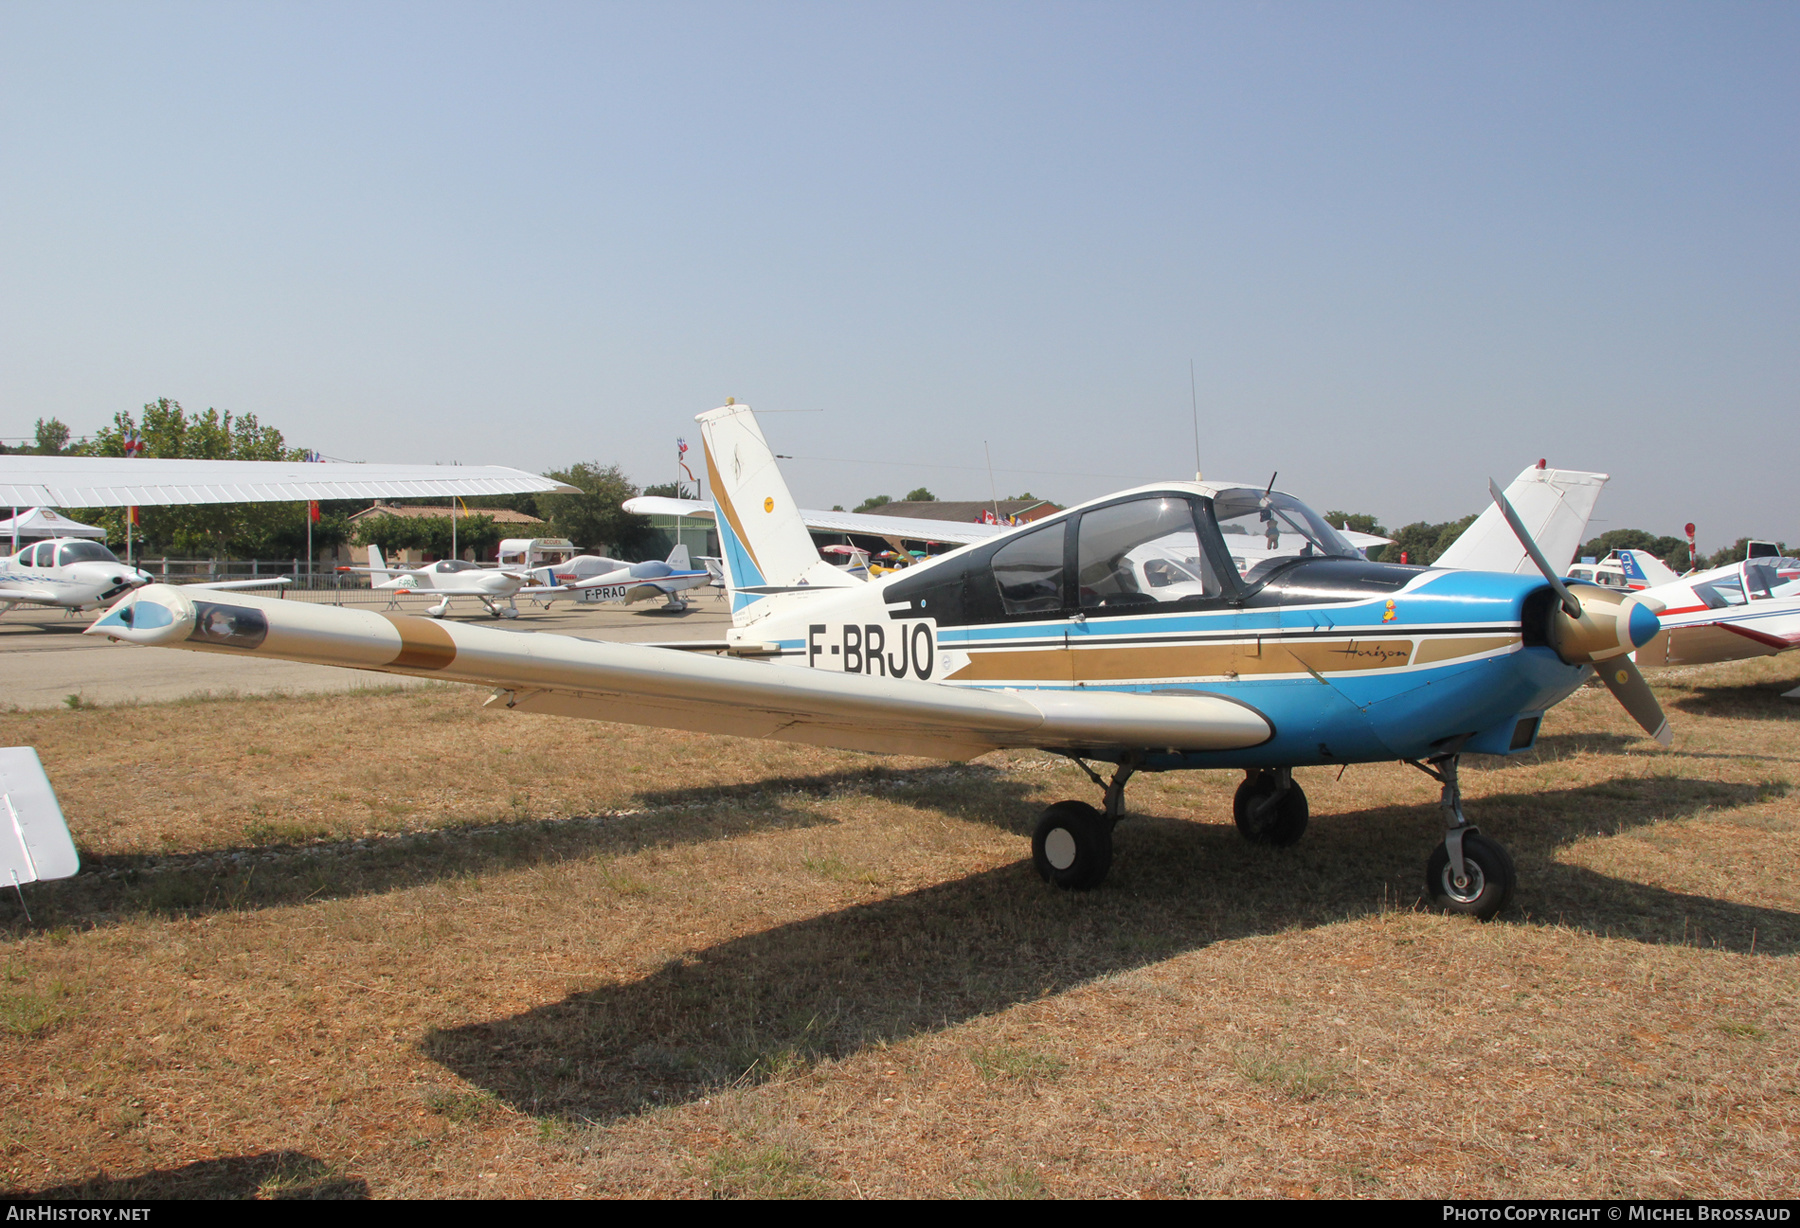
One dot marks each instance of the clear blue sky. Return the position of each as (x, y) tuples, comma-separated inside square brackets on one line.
[(1405, 246)]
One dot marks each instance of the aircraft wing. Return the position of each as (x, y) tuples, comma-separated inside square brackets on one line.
[(117, 481), (1554, 504), (907, 528), (220, 586), (26, 592), (543, 672)]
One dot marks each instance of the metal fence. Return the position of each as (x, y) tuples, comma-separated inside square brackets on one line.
[(324, 583)]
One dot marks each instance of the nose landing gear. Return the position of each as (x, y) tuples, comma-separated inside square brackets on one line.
[(1468, 873)]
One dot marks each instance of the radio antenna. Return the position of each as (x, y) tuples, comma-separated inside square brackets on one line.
[(1194, 393)]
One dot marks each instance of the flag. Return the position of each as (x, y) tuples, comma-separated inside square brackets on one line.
[(312, 510), (133, 512), (134, 446)]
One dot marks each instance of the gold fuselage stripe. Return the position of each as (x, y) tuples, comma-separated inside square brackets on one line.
[(1266, 656), (424, 644)]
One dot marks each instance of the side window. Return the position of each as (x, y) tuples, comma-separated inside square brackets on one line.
[(1028, 571), (1143, 553), (45, 553)]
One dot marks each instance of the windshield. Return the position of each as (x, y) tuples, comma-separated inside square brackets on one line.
[(1264, 530), (85, 552)]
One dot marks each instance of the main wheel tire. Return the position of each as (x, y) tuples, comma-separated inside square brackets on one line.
[(1072, 846), (1262, 819), (1490, 881)]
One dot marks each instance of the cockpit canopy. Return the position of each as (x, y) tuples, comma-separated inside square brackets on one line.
[(1154, 550), (62, 553)]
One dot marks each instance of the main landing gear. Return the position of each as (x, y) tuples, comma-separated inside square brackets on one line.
[(1072, 846), (1467, 873)]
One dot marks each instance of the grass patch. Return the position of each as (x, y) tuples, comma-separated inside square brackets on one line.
[(1010, 1184), (31, 1011), (1015, 1062), (1297, 1078), (764, 1170)]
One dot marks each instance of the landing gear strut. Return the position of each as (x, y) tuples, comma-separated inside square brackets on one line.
[(1467, 873), (1072, 846)]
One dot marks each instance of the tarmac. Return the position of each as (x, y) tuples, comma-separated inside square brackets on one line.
[(45, 660)]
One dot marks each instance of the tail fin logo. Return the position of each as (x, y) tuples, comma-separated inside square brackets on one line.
[(769, 503)]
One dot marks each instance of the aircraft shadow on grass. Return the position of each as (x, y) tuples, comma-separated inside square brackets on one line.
[(269, 1174), (831, 985), (1553, 748), (110, 888), (1761, 701)]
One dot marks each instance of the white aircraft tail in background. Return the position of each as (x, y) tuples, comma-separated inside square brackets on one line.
[(378, 568), (1554, 505), (762, 535)]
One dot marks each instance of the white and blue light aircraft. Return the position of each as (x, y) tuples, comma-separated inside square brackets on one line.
[(1119, 632), (592, 578)]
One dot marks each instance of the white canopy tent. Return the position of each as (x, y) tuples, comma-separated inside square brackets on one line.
[(45, 522)]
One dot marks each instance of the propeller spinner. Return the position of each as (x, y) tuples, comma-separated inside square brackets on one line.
[(1599, 628)]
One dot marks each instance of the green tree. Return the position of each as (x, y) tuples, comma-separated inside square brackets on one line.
[(670, 490), (431, 534), (1357, 521), (873, 501), (921, 495), (52, 437), (1421, 542), (1671, 550), (1734, 553), (222, 530), (593, 518)]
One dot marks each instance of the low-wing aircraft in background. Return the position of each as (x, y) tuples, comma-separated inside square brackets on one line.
[(445, 579), (74, 573), (1059, 635), (1747, 609), (593, 578)]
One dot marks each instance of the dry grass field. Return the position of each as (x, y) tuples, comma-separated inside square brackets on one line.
[(400, 945)]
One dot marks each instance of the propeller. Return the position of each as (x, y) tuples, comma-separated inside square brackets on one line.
[(1599, 628)]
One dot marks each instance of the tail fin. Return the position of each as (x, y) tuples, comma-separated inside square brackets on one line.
[(1644, 570), (1554, 504), (764, 541), (378, 570), (678, 558)]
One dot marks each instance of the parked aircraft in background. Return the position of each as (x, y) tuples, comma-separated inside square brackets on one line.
[(592, 578), (1747, 609), (445, 579), (1054, 635), (1631, 570), (74, 573)]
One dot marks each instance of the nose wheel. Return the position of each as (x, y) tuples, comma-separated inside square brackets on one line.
[(1468, 873)]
